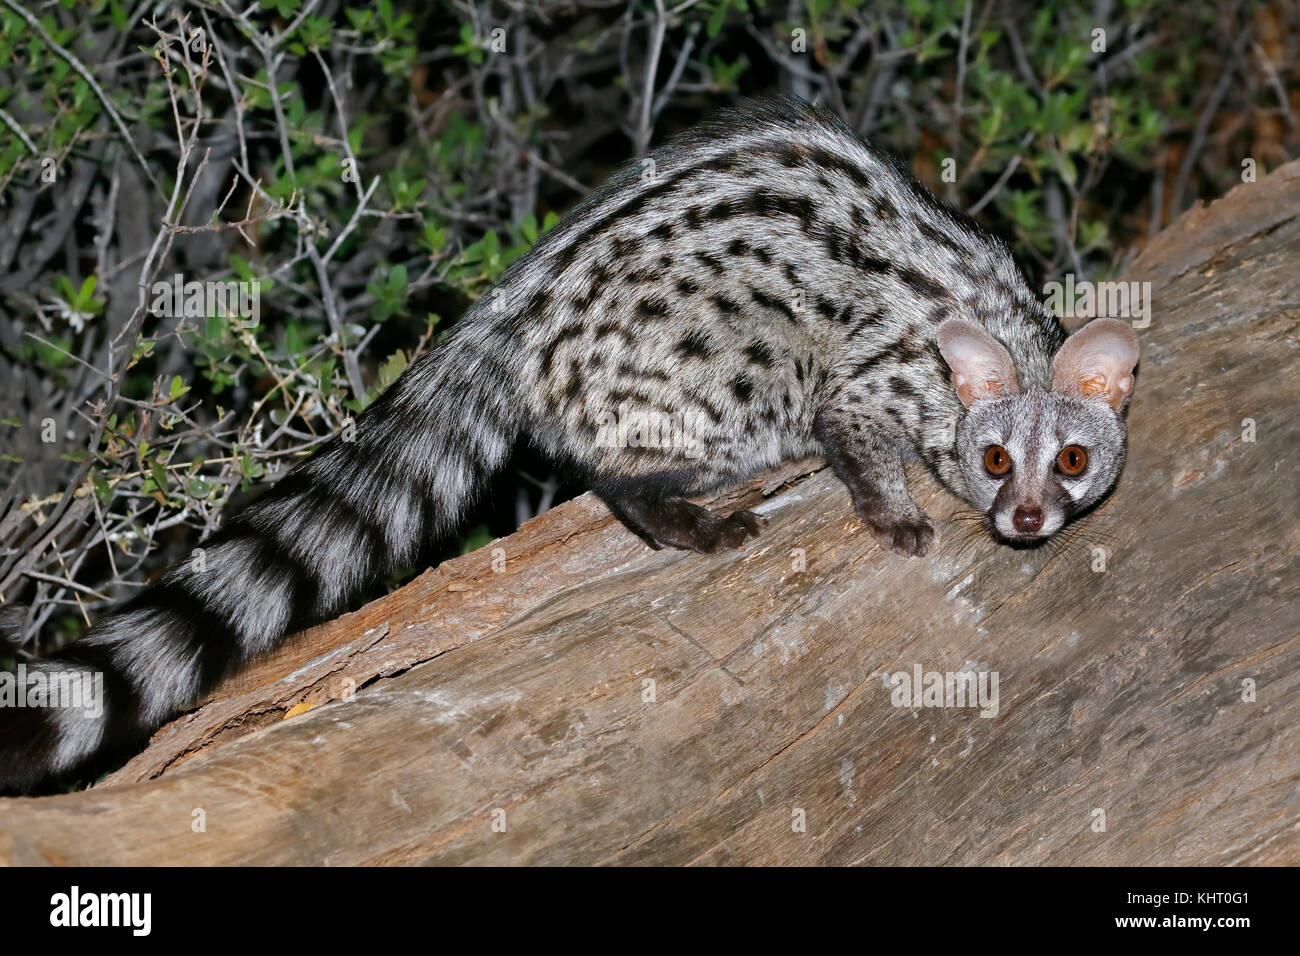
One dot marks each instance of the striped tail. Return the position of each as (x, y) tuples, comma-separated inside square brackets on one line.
[(354, 511)]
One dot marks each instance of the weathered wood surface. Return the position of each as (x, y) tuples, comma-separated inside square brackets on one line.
[(524, 691)]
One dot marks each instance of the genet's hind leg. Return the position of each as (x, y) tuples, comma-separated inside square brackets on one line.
[(673, 521)]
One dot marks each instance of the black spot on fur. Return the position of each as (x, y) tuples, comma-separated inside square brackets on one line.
[(628, 370), (760, 354), (770, 302), (574, 386), (585, 302), (727, 306), (724, 209), (719, 164), (713, 262), (939, 313), (611, 328), (695, 344), (869, 363), (652, 308), (834, 247), (565, 258), (872, 317), (767, 204), (709, 408), (571, 331), (872, 264), (937, 235), (829, 160), (618, 396), (903, 388), (792, 156), (920, 284)]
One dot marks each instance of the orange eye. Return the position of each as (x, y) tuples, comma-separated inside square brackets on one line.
[(1072, 461), (996, 461)]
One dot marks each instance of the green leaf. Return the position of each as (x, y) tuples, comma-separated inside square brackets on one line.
[(714, 26), (392, 368), (159, 474), (435, 239)]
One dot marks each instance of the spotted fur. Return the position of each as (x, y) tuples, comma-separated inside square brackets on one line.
[(763, 287)]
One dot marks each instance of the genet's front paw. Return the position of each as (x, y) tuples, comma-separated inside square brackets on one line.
[(909, 535)]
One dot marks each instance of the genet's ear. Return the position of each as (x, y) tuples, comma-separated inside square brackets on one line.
[(981, 366), (1097, 362)]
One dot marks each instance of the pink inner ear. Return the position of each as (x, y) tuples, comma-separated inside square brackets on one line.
[(981, 367), (1093, 377), (1096, 385), (1097, 362)]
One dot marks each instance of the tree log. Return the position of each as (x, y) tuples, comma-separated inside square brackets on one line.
[(567, 695)]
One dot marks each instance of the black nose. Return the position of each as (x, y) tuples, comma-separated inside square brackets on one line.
[(1027, 520)]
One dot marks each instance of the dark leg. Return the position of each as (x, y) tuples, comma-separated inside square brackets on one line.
[(673, 521), (871, 467)]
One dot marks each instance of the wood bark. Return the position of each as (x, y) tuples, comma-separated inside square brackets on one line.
[(606, 703)]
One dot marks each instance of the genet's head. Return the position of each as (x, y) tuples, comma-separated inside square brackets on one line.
[(1035, 458)]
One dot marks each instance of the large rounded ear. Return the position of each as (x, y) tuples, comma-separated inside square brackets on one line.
[(981, 366), (1097, 362)]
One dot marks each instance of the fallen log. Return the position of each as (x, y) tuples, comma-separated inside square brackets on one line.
[(566, 695)]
